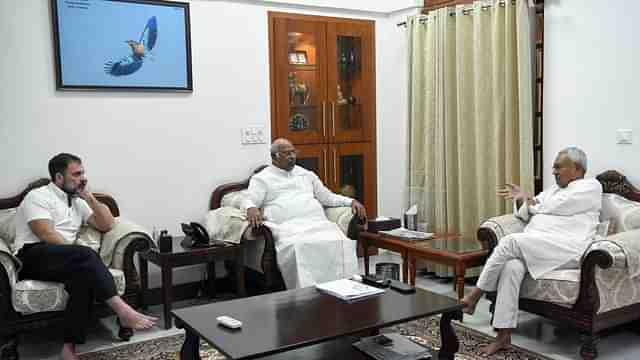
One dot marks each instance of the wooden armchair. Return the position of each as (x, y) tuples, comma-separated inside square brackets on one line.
[(269, 279), (41, 307), (601, 294)]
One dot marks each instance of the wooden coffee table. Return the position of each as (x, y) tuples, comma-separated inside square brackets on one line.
[(410, 250), (183, 257), (308, 324)]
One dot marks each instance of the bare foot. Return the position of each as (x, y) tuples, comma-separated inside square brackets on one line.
[(492, 348), (69, 352), (137, 321), (503, 342)]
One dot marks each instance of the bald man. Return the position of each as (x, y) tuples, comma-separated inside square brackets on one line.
[(310, 249)]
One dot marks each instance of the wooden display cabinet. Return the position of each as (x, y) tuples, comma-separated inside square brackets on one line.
[(323, 98)]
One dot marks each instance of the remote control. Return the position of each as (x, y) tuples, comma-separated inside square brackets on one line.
[(402, 287), (229, 322), (374, 281)]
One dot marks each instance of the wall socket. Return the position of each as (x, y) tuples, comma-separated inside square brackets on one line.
[(624, 136), (253, 135)]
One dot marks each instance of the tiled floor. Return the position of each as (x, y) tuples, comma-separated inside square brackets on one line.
[(534, 333)]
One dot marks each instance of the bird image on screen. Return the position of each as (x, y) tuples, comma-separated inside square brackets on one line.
[(140, 50)]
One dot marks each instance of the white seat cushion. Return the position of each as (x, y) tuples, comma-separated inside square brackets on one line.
[(623, 213), (234, 199), (33, 296), (562, 292)]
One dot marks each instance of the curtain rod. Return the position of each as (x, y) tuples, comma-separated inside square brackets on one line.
[(464, 12)]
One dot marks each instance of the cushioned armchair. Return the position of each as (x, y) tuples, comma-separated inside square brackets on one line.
[(259, 243), (605, 290), (29, 304)]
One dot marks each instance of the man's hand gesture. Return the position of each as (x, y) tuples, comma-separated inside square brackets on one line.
[(358, 209), (512, 191), (254, 215)]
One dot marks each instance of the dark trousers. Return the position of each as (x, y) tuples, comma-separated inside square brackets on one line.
[(83, 274)]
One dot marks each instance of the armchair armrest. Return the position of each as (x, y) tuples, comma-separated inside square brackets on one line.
[(269, 263), (9, 267), (115, 241), (341, 215), (597, 256), (495, 228), (609, 269), (119, 246), (608, 250)]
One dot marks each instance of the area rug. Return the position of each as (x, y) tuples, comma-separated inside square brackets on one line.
[(425, 331)]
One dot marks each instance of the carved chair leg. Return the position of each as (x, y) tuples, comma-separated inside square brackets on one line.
[(588, 350), (9, 347)]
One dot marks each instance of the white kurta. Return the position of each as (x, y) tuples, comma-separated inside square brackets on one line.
[(560, 226), (310, 249)]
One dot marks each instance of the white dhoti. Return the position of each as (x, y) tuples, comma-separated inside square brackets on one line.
[(311, 253), (310, 249)]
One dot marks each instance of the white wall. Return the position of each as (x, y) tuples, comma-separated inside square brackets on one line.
[(591, 77), (161, 155), (381, 6)]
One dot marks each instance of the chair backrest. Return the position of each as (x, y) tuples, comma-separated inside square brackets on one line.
[(14, 201), (224, 189), (620, 203), (614, 182)]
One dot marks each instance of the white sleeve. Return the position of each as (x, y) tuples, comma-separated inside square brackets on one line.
[(35, 208), (325, 196), (582, 197), (256, 193)]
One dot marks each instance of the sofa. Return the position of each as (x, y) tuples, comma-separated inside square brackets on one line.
[(605, 291), (226, 222), (30, 304)]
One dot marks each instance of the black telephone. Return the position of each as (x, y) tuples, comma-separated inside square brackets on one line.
[(196, 235)]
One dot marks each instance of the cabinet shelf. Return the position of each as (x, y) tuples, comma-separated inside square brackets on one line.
[(300, 106), (301, 67)]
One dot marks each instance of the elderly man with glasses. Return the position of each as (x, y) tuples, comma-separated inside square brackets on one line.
[(562, 221), (310, 249)]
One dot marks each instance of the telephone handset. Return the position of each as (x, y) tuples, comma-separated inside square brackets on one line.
[(196, 235)]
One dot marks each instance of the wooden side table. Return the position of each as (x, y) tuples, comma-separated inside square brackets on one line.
[(460, 261), (410, 250), (183, 257)]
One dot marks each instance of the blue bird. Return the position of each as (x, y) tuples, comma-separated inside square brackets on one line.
[(139, 50)]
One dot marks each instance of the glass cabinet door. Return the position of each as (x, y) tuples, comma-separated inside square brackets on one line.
[(353, 173), (300, 80), (314, 158), (350, 82)]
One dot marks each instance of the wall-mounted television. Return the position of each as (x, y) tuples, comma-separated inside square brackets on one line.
[(122, 45)]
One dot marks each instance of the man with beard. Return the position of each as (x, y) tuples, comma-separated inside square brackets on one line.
[(310, 249), (47, 224), (562, 220)]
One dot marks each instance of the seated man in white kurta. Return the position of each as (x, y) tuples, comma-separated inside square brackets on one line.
[(310, 249), (562, 221)]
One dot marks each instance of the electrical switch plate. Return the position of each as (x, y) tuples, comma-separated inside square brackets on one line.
[(253, 135), (624, 136)]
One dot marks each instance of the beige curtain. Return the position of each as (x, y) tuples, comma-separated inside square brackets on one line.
[(470, 116)]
